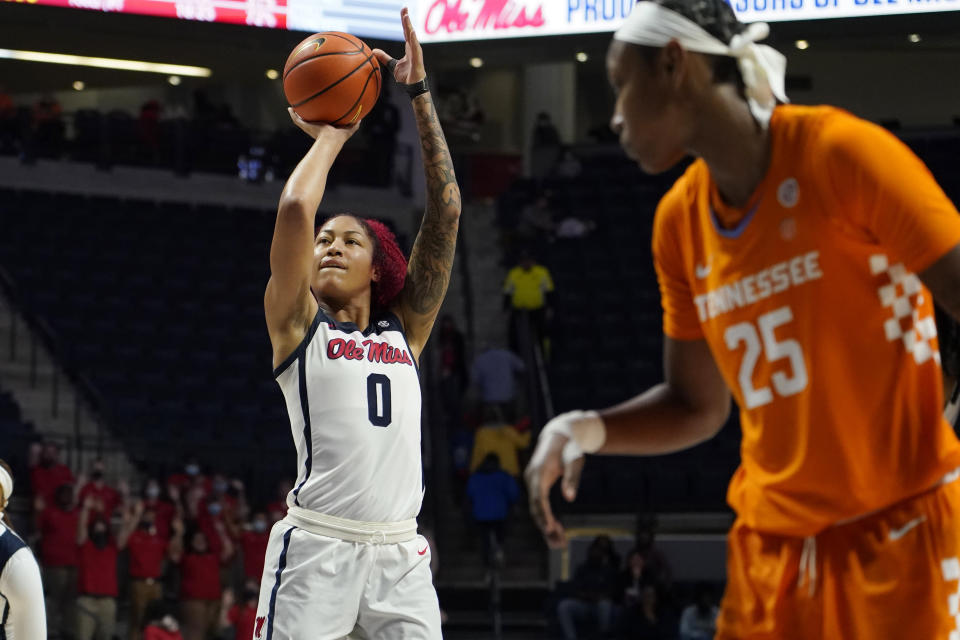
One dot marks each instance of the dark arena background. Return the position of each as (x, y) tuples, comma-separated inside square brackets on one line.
[(137, 204)]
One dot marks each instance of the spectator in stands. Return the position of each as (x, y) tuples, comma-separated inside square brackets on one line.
[(634, 576), (492, 492), (461, 443), (453, 370), (501, 439), (97, 587), (229, 494), (698, 621), (191, 476), (163, 509), (147, 551), (526, 294), (655, 566), (46, 471), (253, 546), (57, 526), (241, 615), (545, 134), (536, 223), (572, 228), (545, 144), (644, 617), (594, 587), (162, 624), (200, 590), (494, 374), (278, 508), (568, 165), (103, 498)]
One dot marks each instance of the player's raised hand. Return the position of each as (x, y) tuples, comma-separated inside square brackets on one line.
[(321, 129), (408, 69), (556, 455)]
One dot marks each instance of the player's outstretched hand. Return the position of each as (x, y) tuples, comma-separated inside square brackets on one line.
[(322, 129), (409, 69), (556, 455)]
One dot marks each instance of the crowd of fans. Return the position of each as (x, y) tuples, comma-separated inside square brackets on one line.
[(634, 599), (179, 557)]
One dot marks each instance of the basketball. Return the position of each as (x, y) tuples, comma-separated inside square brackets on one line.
[(332, 77)]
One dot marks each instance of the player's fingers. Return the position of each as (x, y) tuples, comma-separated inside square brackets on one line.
[(543, 499), (407, 24), (382, 56), (571, 478), (556, 536), (409, 31), (297, 120)]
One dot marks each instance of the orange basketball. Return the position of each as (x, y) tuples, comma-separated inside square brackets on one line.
[(332, 77)]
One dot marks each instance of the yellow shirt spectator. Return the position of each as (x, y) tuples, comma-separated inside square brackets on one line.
[(527, 286), (503, 440)]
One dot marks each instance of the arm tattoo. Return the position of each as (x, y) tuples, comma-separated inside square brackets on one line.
[(432, 257)]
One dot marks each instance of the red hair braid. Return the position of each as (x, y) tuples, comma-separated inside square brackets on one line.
[(390, 263)]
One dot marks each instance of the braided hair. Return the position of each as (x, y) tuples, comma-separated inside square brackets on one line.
[(717, 18)]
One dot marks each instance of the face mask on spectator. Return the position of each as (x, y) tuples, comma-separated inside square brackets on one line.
[(214, 508), (259, 526), (152, 492), (192, 469), (97, 475), (169, 623)]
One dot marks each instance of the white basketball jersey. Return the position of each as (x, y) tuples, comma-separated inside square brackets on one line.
[(354, 402)]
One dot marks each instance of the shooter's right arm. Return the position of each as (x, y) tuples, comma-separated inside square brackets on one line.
[(287, 301)]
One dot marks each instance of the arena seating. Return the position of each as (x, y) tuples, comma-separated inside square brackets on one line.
[(16, 435), (161, 307)]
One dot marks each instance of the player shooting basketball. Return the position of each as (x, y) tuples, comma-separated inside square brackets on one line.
[(796, 259), (348, 320)]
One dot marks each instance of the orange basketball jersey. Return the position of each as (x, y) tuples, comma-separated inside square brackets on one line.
[(814, 313)]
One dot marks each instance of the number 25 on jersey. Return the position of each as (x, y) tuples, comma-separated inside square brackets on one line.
[(764, 343)]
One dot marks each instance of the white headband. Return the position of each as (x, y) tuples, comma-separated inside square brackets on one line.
[(7, 483), (763, 68)]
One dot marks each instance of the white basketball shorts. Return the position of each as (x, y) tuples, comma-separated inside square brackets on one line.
[(316, 587)]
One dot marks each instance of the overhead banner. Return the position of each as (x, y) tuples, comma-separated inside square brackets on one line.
[(448, 20), (363, 18)]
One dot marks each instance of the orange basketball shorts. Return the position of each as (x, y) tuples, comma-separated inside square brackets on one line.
[(892, 575)]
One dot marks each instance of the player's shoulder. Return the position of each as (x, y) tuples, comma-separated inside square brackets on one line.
[(818, 129), (386, 321), (10, 544), (677, 202)]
